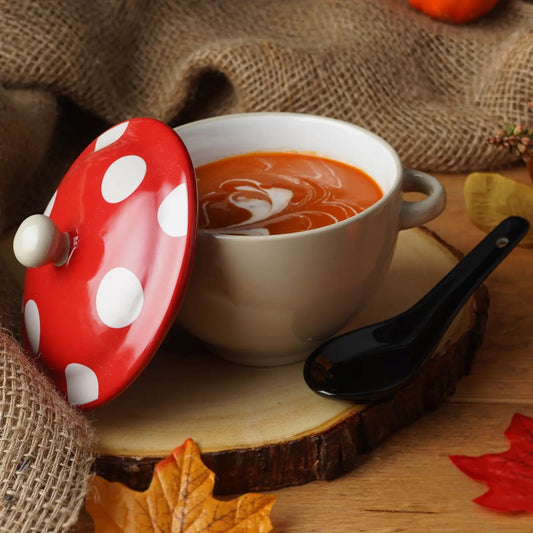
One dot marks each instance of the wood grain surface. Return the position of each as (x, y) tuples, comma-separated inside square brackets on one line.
[(408, 483), (263, 428)]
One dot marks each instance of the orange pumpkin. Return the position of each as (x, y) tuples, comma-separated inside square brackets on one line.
[(456, 11)]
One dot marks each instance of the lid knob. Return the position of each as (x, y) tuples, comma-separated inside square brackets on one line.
[(39, 241)]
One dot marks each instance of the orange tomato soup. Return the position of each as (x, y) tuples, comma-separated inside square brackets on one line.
[(275, 193)]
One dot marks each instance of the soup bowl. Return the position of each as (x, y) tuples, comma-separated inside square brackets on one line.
[(267, 300)]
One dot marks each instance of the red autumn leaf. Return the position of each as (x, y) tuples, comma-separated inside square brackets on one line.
[(509, 474)]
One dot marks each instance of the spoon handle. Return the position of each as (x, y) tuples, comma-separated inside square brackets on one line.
[(436, 310)]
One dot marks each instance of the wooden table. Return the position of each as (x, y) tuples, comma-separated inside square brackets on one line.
[(409, 483)]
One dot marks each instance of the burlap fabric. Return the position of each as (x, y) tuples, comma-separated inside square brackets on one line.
[(67, 69)]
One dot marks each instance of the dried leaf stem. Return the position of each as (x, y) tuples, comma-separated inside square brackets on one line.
[(516, 139)]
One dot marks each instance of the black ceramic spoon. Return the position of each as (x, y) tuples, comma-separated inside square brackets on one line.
[(369, 364)]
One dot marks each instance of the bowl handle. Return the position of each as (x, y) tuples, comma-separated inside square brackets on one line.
[(422, 211)]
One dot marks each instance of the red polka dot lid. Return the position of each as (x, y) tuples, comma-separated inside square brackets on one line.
[(118, 237)]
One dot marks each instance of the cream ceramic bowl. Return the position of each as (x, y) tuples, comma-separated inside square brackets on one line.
[(271, 300)]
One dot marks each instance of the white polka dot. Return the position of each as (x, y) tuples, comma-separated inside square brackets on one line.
[(110, 136), (32, 323), (50, 205), (82, 384), (120, 298), (122, 178), (173, 212)]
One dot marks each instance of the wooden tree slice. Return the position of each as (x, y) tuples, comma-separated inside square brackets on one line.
[(262, 428)]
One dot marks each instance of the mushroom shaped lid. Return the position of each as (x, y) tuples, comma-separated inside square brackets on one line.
[(120, 233)]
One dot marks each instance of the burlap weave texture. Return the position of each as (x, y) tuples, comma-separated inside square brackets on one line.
[(44, 449), (433, 90)]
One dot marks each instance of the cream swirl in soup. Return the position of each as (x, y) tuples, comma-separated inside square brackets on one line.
[(274, 193)]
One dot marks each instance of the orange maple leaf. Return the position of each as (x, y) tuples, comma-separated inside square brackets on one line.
[(178, 500)]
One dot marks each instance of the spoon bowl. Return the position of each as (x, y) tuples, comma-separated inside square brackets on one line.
[(371, 363)]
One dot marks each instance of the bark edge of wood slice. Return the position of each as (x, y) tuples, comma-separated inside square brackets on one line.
[(332, 448)]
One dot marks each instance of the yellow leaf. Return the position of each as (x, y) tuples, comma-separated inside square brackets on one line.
[(490, 198), (178, 500)]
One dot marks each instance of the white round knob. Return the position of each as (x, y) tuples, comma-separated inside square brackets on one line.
[(39, 241)]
